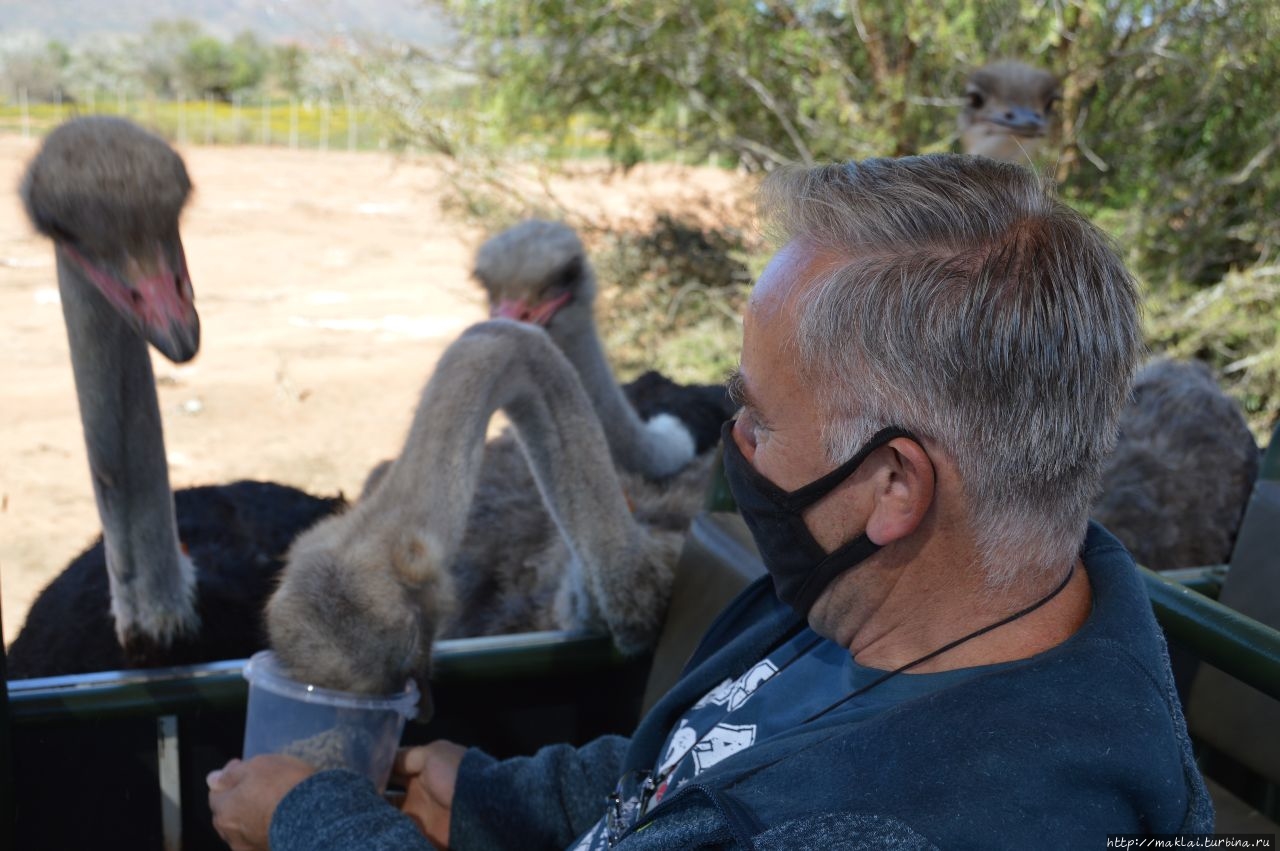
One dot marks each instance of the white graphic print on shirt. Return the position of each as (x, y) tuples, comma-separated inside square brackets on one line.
[(682, 740), (736, 692), (722, 742)]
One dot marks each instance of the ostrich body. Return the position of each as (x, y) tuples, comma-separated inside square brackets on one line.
[(365, 593), (109, 195), (1007, 110), (1175, 489)]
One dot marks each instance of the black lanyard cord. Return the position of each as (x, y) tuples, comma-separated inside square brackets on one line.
[(951, 646)]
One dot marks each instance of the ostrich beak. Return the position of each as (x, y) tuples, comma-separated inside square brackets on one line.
[(522, 311), (1020, 121), (152, 289)]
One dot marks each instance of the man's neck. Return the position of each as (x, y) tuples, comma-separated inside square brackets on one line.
[(891, 615)]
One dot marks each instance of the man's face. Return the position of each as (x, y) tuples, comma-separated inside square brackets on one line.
[(779, 429)]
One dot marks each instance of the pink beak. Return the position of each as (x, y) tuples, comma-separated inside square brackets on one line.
[(153, 294), (522, 311)]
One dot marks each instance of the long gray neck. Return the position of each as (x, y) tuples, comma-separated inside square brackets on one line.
[(152, 582), (502, 365), (654, 449)]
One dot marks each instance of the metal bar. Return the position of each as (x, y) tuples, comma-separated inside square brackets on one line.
[(1237, 645), (170, 781), (1203, 580), (1270, 470), (8, 791), (530, 655)]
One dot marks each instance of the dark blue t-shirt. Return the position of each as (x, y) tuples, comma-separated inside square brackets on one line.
[(799, 681)]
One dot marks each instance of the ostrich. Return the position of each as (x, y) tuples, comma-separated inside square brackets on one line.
[(1176, 486), (1007, 110), (538, 272), (365, 593), (157, 588)]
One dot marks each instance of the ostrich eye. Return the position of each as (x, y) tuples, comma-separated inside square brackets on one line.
[(976, 100), (1051, 103), (568, 276)]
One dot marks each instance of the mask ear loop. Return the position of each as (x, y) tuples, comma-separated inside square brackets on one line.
[(803, 497), (853, 552)]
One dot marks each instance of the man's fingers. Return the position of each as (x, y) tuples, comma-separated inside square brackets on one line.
[(225, 777), (409, 762)]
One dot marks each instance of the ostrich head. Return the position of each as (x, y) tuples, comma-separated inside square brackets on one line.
[(535, 272), (341, 620), (109, 194), (1007, 110)]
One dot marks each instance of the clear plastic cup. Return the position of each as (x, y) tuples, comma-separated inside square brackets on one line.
[(327, 728)]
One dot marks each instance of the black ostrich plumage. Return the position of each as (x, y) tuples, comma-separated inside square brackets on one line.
[(702, 408)]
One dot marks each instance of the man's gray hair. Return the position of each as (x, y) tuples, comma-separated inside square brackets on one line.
[(970, 306)]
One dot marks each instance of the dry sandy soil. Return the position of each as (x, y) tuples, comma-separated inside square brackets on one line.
[(327, 286)]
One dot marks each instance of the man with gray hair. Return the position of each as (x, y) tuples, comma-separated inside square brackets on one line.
[(946, 653)]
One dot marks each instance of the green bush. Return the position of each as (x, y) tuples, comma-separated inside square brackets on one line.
[(1234, 326), (672, 297)]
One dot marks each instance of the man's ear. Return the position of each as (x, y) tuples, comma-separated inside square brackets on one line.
[(904, 492)]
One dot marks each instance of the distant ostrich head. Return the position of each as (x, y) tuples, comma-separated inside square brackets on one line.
[(108, 193), (536, 271), (1007, 110)]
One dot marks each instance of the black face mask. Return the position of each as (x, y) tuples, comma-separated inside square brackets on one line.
[(800, 568)]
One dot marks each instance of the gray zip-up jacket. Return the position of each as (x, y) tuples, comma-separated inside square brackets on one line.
[(1057, 750)]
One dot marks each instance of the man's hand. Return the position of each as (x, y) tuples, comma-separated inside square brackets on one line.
[(429, 774), (244, 795)]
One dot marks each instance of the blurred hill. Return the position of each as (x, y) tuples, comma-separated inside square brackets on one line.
[(308, 21)]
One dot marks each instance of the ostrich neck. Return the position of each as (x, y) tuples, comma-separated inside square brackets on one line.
[(152, 583), (521, 372), (634, 446)]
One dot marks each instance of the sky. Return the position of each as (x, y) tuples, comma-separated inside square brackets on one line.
[(303, 20)]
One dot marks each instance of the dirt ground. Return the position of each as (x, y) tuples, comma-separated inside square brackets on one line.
[(327, 285)]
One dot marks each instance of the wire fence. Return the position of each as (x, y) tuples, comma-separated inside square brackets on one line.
[(316, 124), (295, 123)]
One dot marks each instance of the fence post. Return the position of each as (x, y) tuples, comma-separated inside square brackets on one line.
[(293, 123), (266, 127), (324, 124), (182, 119), (26, 116), (208, 120)]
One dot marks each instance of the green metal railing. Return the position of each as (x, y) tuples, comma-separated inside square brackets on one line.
[(221, 685), (1237, 645)]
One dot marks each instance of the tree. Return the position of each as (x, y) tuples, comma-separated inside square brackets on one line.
[(160, 51), (1168, 132), (34, 66), (250, 59), (288, 68), (205, 68)]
